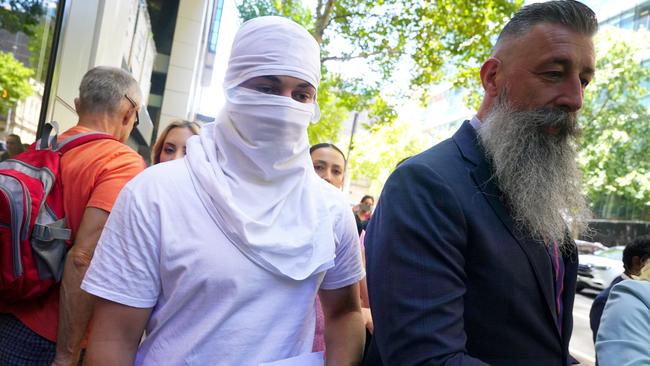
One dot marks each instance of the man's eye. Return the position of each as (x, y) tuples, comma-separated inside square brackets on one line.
[(302, 97), (337, 172), (318, 167), (265, 89), (553, 74)]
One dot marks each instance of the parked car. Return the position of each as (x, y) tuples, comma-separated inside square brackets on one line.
[(597, 270), (588, 247)]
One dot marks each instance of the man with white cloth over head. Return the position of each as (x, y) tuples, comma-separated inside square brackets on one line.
[(220, 255)]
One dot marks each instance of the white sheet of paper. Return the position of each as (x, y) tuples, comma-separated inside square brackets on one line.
[(308, 359)]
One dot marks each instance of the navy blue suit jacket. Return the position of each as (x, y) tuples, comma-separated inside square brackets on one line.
[(451, 279)]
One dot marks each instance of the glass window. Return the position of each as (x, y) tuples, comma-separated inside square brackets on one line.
[(26, 38), (627, 20)]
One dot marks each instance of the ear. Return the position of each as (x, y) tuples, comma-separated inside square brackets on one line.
[(77, 105), (636, 265), (127, 117), (489, 72)]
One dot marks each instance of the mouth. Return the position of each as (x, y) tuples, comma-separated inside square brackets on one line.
[(554, 131)]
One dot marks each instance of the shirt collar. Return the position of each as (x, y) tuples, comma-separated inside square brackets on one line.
[(475, 122)]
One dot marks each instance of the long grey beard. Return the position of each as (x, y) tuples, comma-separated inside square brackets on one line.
[(536, 171)]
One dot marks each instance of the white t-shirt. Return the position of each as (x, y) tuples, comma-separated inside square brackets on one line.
[(211, 305)]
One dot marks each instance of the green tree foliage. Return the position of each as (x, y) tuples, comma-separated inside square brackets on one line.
[(376, 154), (430, 35), (615, 149), (20, 15), (14, 82)]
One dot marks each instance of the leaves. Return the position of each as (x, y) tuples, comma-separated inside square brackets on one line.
[(615, 149), (21, 15), (375, 154), (14, 84)]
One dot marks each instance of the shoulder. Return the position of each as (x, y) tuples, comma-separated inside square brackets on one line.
[(165, 177), (334, 198), (632, 291)]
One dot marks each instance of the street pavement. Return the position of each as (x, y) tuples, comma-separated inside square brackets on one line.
[(582, 345)]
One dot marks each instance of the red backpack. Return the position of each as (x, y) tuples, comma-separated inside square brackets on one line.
[(34, 236)]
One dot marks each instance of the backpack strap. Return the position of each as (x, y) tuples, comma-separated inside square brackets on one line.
[(46, 141), (80, 139)]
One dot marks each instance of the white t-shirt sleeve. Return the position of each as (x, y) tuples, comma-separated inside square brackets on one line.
[(124, 268), (348, 268)]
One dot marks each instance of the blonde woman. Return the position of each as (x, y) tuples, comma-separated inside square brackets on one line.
[(624, 333), (171, 143)]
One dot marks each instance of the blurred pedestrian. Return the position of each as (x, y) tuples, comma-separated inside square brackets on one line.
[(14, 147), (469, 258), (171, 142), (633, 256), (92, 175), (363, 211), (624, 333), (228, 275)]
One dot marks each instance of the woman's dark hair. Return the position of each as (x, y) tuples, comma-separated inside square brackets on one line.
[(366, 197), (324, 145)]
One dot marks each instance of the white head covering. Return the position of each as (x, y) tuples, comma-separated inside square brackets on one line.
[(252, 167)]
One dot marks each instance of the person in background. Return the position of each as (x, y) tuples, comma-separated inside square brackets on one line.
[(171, 142), (329, 163), (634, 255), (363, 211), (624, 334), (14, 147), (33, 332), (469, 257), (220, 276)]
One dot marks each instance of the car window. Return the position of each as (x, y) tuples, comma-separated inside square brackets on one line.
[(610, 253)]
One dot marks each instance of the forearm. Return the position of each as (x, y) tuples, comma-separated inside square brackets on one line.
[(345, 339), (75, 310)]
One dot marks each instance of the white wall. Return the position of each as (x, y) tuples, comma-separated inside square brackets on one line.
[(98, 32), (185, 61)]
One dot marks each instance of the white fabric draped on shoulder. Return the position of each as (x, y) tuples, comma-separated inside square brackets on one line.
[(252, 167)]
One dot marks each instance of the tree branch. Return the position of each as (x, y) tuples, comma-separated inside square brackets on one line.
[(323, 20)]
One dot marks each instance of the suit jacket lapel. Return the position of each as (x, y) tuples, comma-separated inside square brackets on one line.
[(467, 140)]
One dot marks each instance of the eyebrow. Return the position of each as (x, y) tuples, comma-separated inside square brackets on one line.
[(566, 63), (276, 80), (318, 161)]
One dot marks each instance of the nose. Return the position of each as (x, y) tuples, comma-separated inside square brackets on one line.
[(327, 176), (179, 154), (572, 94), (286, 92)]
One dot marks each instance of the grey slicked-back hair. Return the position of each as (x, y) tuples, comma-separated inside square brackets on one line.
[(102, 89), (569, 13)]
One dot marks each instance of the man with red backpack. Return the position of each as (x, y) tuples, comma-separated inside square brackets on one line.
[(50, 328)]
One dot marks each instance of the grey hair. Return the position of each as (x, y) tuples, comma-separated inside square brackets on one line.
[(569, 13), (102, 89)]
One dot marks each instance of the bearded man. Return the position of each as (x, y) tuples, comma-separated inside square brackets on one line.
[(470, 257)]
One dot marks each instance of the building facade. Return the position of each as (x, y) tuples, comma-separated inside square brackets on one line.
[(166, 44)]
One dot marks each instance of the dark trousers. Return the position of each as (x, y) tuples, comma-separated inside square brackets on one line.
[(20, 346)]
